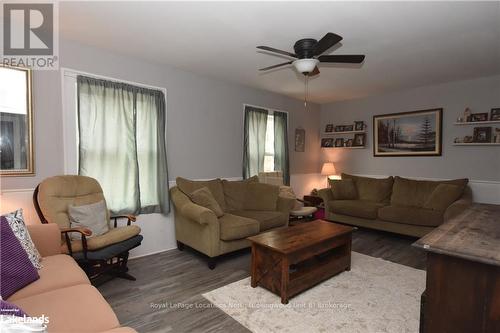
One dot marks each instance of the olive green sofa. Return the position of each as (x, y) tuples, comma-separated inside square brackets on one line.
[(395, 204), (246, 208)]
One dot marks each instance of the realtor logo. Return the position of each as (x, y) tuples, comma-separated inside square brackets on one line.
[(30, 35)]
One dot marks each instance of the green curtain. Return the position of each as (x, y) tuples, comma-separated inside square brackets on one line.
[(281, 161), (254, 141), (122, 144)]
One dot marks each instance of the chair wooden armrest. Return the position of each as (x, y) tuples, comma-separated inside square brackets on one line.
[(130, 218), (83, 231)]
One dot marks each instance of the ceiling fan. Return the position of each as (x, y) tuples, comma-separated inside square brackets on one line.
[(308, 54)]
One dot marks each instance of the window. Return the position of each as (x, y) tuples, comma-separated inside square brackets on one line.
[(265, 142), (121, 143)]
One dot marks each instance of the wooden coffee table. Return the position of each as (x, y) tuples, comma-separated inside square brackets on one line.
[(290, 260)]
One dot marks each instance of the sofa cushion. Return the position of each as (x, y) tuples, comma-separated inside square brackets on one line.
[(78, 308), (372, 189), (443, 196), (357, 208), (235, 191), (204, 197), (16, 269), (113, 236), (215, 186), (344, 189), (414, 193), (237, 227), (58, 271), (411, 215), (261, 196), (267, 219), (92, 216)]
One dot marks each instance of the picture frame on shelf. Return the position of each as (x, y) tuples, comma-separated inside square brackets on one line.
[(339, 142), (339, 128), (359, 125), (414, 133), (482, 134), (329, 128), (348, 128), (327, 143), (495, 114), (349, 143), (475, 117), (359, 140)]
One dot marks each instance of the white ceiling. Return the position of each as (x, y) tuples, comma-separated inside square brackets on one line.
[(407, 44)]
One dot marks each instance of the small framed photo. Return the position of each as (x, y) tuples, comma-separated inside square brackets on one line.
[(326, 142), (482, 134), (359, 140), (495, 114), (348, 143), (349, 128), (479, 117), (338, 128), (329, 128), (359, 125), (339, 142)]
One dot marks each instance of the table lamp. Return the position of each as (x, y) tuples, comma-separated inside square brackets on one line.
[(328, 170)]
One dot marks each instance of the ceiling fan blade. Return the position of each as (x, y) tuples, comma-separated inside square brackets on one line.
[(314, 72), (326, 42), (271, 49), (348, 58), (275, 66)]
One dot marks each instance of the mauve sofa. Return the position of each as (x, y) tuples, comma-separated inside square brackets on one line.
[(64, 293), (394, 204)]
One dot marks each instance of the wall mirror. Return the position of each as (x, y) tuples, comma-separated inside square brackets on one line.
[(16, 122)]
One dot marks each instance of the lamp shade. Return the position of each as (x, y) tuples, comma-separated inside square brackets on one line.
[(328, 169), (305, 65)]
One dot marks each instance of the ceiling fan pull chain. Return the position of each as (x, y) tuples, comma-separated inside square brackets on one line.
[(306, 90)]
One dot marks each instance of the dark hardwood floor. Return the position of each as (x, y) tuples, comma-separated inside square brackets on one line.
[(167, 294)]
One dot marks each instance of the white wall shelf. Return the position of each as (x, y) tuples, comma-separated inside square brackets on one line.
[(470, 123), (341, 133), (476, 144)]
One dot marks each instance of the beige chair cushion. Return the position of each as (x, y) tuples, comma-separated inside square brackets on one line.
[(261, 197), (92, 216), (372, 189), (58, 271), (235, 191), (75, 309), (236, 227), (344, 189), (56, 194), (357, 208), (414, 193), (411, 215), (113, 236), (215, 186), (443, 196), (267, 219), (121, 330), (204, 198)]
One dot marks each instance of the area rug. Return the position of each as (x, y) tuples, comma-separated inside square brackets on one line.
[(375, 296)]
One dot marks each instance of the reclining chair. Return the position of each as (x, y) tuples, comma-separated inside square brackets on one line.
[(105, 254)]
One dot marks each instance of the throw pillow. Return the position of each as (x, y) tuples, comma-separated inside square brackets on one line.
[(204, 197), (372, 189), (261, 196), (9, 309), (16, 223), (443, 196), (16, 269), (344, 189), (91, 216)]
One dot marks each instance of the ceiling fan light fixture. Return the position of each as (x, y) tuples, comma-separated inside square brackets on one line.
[(305, 65)]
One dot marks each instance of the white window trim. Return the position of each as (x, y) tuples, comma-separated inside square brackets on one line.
[(70, 120)]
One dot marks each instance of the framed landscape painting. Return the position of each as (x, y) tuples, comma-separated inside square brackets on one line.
[(417, 133)]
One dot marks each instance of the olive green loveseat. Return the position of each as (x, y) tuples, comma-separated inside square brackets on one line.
[(395, 204), (243, 209)]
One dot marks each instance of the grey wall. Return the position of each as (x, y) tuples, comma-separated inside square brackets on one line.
[(477, 163), (204, 117)]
